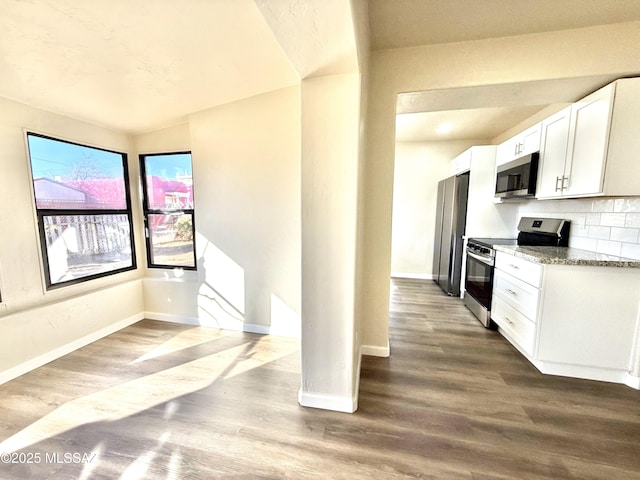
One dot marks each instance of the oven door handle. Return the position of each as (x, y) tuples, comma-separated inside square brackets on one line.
[(481, 259)]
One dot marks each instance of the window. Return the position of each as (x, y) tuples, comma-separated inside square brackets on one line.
[(168, 210), (83, 209)]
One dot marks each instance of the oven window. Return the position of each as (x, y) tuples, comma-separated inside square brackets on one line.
[(479, 281)]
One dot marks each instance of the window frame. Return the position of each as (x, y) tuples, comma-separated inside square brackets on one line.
[(146, 212), (41, 213)]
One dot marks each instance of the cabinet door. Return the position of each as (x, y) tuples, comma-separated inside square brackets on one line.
[(506, 151), (527, 141), (530, 140), (519, 329), (553, 154), (589, 135), (462, 163)]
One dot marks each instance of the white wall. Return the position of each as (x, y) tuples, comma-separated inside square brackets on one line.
[(330, 174), (35, 325), (275, 181), (362, 34), (169, 294), (176, 138), (419, 166), (554, 55), (246, 169)]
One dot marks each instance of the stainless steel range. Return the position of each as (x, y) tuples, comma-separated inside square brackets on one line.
[(481, 259), (479, 275)]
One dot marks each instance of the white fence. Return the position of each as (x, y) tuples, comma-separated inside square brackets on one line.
[(89, 234)]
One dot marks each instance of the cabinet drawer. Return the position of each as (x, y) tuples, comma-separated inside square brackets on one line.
[(524, 270), (520, 295), (518, 327)]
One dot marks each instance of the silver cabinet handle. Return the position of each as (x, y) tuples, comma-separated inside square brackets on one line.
[(564, 187), (508, 320), (558, 187), (516, 267), (511, 292)]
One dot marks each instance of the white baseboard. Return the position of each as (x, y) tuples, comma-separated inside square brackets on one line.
[(357, 374), (632, 381), (414, 276), (56, 353), (238, 327), (166, 317), (375, 351), (580, 371), (254, 328), (327, 402)]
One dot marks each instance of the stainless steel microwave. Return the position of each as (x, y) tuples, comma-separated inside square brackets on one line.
[(518, 177)]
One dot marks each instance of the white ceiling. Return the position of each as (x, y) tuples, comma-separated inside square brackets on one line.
[(481, 124), (484, 113), (408, 23), (134, 65), (141, 65)]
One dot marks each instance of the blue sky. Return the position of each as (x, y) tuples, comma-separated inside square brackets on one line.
[(168, 166), (51, 158)]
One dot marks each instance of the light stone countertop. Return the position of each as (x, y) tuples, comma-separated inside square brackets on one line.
[(567, 256)]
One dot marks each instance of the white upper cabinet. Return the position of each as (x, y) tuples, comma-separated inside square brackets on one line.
[(587, 152), (553, 154), (621, 172), (462, 163), (590, 148), (574, 147), (524, 143), (484, 217)]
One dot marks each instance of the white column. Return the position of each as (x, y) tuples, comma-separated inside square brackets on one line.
[(330, 133)]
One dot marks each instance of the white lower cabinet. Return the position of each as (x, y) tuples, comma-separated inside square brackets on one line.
[(515, 300), (520, 328), (571, 320), (523, 270), (520, 295)]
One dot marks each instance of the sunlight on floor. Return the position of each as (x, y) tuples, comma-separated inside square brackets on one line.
[(188, 338), (89, 467), (132, 397), (138, 469), (260, 354)]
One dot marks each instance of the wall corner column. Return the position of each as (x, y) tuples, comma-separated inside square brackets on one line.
[(330, 120)]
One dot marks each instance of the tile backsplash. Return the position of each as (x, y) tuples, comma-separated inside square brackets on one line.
[(603, 225)]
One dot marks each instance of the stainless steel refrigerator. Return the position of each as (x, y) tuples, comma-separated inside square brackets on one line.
[(451, 216)]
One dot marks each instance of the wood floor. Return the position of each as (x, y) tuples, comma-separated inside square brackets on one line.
[(454, 401)]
